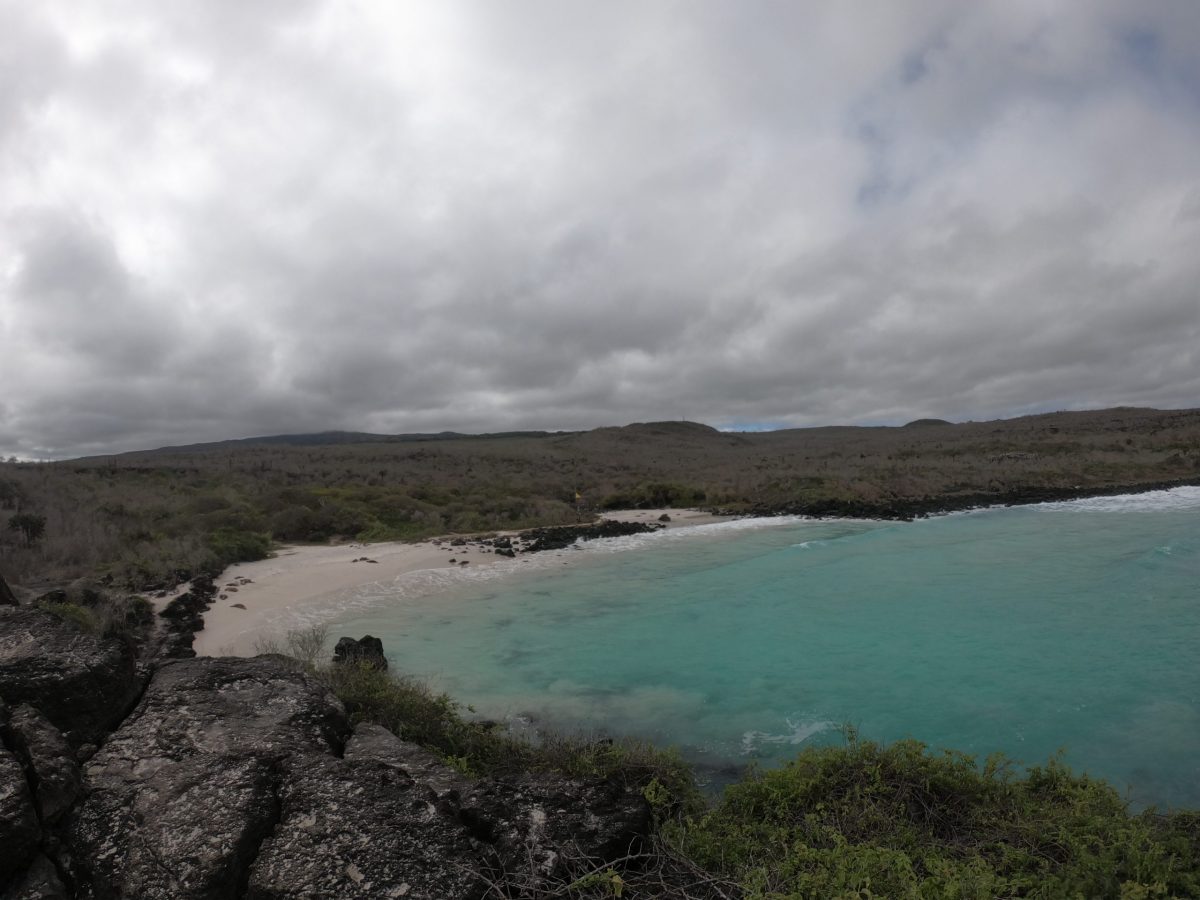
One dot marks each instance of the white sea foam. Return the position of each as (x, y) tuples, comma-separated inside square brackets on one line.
[(1180, 498), (711, 531), (413, 587), (801, 731)]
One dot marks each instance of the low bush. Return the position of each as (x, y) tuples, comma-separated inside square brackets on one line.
[(124, 618), (866, 820), (408, 707), (232, 546), (653, 495)]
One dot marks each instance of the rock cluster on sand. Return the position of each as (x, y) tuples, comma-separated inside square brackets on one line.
[(228, 778)]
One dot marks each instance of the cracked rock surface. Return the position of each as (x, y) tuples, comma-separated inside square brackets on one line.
[(361, 828), (242, 778), (82, 683), (48, 759), (19, 828), (180, 797)]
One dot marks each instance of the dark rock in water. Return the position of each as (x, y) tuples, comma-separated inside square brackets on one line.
[(20, 833), (40, 882), (367, 649), (505, 551), (48, 757), (559, 537), (7, 597), (360, 828), (180, 797), (665, 517), (537, 823), (82, 683)]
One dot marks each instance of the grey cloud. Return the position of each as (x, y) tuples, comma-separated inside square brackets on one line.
[(224, 219)]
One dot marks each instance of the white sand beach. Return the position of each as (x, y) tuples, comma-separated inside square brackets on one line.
[(255, 594)]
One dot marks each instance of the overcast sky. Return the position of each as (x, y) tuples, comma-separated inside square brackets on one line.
[(224, 218)]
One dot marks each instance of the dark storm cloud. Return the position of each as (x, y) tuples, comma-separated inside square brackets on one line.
[(222, 219)]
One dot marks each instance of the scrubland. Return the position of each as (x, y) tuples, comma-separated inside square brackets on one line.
[(147, 519)]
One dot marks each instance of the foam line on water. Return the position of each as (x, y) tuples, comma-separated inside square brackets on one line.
[(713, 530), (1180, 498), (800, 731)]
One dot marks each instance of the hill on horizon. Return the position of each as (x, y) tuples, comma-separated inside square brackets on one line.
[(677, 428), (143, 517)]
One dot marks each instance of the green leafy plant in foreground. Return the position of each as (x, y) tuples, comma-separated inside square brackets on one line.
[(866, 820), (408, 707)]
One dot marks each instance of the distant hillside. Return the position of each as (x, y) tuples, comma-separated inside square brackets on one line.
[(325, 439), (145, 517)]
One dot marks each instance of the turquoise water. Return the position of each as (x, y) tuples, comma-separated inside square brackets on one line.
[(1026, 630)]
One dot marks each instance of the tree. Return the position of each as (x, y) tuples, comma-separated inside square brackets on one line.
[(31, 526), (10, 494)]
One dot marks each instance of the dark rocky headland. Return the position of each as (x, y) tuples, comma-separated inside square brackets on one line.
[(228, 778)]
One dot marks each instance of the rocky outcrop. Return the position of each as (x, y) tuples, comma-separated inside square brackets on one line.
[(7, 597), (537, 825), (375, 743), (362, 828), (184, 616), (235, 778), (49, 762), (20, 832), (210, 738), (366, 650), (530, 827), (40, 881), (82, 683), (559, 537)]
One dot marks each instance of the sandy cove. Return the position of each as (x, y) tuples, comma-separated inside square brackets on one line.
[(254, 594)]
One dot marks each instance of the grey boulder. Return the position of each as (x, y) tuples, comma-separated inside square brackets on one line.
[(82, 683), (20, 832), (49, 758), (180, 797)]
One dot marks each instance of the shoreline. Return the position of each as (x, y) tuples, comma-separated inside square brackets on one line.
[(909, 509), (252, 595)]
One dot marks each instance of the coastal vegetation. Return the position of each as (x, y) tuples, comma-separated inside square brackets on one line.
[(865, 820), (406, 705), (860, 821), (148, 520)]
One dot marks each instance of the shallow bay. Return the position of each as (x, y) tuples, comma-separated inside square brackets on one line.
[(1030, 629)]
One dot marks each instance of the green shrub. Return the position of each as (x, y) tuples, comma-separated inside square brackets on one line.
[(866, 820), (653, 495), (406, 706), (124, 618), (231, 546)]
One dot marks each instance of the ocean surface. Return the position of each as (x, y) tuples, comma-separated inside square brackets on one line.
[(1068, 626)]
